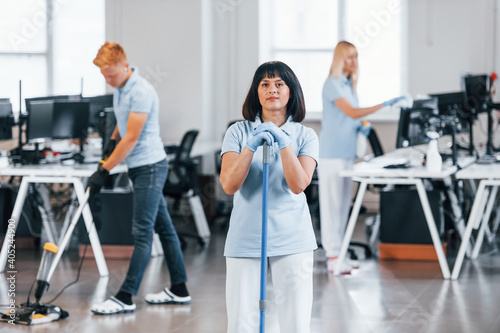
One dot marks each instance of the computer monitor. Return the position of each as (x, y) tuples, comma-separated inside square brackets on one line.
[(477, 92), (453, 103), (414, 123), (6, 119), (5, 109), (52, 98), (70, 120), (431, 103), (97, 105), (39, 120)]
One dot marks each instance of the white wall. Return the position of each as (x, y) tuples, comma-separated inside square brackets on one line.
[(236, 57), (163, 38), (201, 54), (448, 38)]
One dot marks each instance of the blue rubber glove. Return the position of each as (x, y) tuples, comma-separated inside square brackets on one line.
[(258, 140), (393, 101), (279, 135)]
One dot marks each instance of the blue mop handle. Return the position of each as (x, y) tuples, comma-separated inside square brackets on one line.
[(263, 253)]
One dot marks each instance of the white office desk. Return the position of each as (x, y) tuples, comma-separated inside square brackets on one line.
[(52, 173), (373, 172), (489, 181)]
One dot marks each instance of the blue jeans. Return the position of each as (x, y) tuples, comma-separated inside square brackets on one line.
[(150, 214)]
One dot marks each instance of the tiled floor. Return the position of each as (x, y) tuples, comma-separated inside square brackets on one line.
[(382, 296)]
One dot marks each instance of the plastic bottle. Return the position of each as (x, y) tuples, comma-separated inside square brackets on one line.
[(4, 159), (361, 143), (434, 161)]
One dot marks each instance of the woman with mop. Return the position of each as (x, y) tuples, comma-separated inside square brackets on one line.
[(273, 110)]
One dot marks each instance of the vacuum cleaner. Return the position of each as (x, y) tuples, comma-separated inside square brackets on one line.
[(33, 313)]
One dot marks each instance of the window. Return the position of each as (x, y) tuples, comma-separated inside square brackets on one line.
[(49, 45), (303, 34)]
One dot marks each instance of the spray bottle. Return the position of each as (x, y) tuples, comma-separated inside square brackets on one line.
[(434, 161)]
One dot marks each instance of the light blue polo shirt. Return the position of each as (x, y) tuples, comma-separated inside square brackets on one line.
[(290, 229), (138, 95), (339, 132)]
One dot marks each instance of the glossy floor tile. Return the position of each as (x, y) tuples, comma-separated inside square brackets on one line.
[(382, 296)]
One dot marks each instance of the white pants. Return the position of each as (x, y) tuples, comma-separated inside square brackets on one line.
[(289, 299), (335, 195)]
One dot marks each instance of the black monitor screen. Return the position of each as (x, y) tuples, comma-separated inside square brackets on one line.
[(97, 105), (6, 120), (431, 103), (39, 125), (414, 123), (5, 109), (477, 92), (454, 102), (70, 120), (51, 98)]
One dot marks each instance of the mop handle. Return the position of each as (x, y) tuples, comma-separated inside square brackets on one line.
[(263, 254)]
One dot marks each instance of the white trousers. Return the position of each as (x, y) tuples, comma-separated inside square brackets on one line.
[(335, 195), (289, 294)]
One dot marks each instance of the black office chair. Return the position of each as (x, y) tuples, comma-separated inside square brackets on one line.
[(312, 196), (182, 179), (377, 151), (224, 207), (375, 143)]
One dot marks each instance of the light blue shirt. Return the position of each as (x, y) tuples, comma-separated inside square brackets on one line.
[(290, 229), (339, 132), (138, 95)]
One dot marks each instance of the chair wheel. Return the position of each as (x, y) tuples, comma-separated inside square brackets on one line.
[(352, 254)]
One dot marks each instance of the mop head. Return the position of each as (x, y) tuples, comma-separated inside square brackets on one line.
[(34, 314)]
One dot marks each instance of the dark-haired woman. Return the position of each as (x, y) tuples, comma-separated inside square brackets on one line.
[(273, 110)]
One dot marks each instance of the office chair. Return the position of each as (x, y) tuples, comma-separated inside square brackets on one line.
[(182, 182), (224, 206), (313, 201), (375, 224)]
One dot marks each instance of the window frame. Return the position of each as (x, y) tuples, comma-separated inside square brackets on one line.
[(267, 51)]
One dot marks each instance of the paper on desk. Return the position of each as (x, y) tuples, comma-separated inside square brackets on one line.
[(381, 162)]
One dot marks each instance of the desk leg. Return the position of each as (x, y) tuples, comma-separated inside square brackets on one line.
[(16, 214), (350, 226), (90, 227), (495, 225), (433, 230), (157, 250), (199, 216), (484, 224), (478, 201), (458, 221)]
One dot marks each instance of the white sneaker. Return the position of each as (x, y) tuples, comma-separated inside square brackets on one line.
[(167, 297), (112, 306), (345, 268), (353, 263)]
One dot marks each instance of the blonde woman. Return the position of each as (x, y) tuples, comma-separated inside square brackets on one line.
[(338, 139)]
